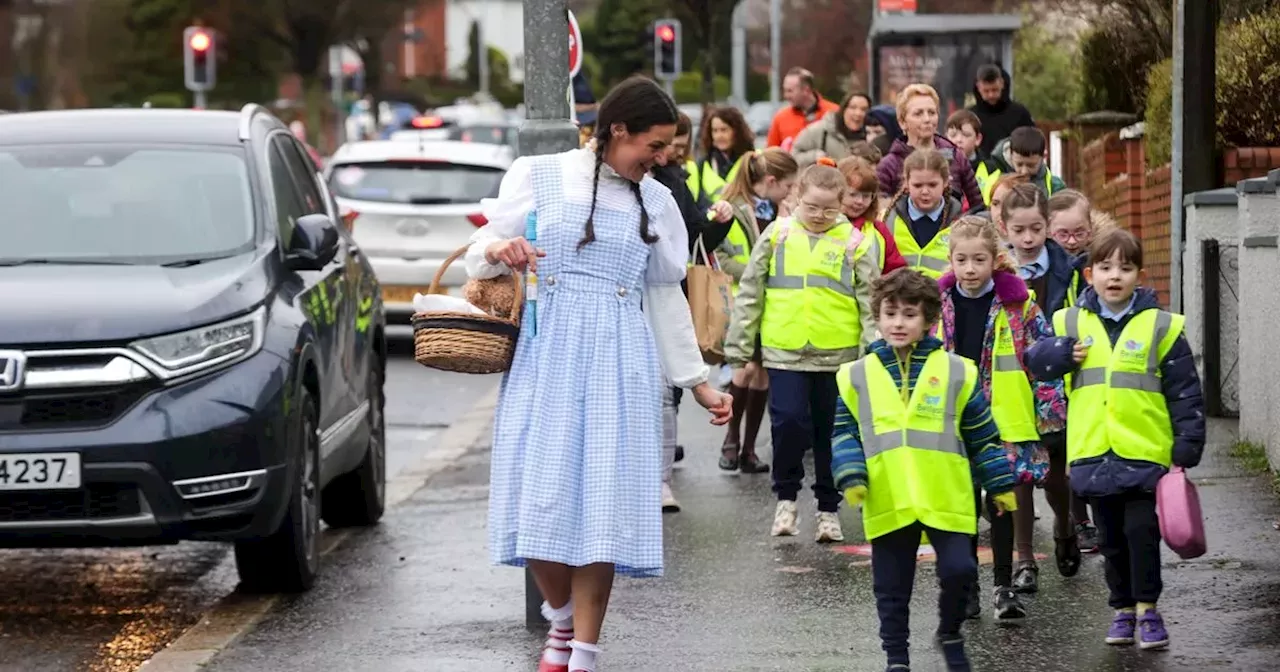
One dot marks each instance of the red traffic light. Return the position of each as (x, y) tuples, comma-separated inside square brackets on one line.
[(200, 41), (666, 33)]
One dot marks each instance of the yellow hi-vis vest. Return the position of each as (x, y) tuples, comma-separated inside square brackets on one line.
[(1015, 414), (691, 167), (933, 259), (739, 247), (1115, 398), (703, 176), (987, 181), (869, 230), (809, 297), (1013, 402), (917, 465)]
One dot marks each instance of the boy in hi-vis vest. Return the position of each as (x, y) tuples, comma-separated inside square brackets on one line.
[(1134, 409), (913, 429)]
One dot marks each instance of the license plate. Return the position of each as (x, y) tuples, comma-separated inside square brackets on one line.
[(39, 471), (401, 293)]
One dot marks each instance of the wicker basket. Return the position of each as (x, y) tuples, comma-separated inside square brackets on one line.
[(466, 342)]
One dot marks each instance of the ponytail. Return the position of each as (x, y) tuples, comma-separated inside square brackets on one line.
[(753, 167)]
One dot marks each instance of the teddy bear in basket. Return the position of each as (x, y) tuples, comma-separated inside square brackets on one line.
[(495, 296)]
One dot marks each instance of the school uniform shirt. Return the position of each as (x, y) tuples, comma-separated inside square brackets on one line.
[(1036, 276), (924, 225), (972, 311)]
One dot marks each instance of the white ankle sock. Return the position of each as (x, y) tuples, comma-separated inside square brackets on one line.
[(556, 651), (584, 657)]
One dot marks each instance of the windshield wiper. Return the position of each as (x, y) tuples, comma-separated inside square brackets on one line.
[(430, 200), (63, 262), (186, 263)]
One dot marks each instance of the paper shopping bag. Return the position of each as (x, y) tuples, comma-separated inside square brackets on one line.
[(711, 304)]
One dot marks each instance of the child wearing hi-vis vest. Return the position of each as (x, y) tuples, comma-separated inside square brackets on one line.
[(913, 429), (989, 318), (920, 215), (1135, 408), (806, 294), (755, 194)]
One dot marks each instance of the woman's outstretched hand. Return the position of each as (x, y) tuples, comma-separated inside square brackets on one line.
[(719, 403), (516, 253)]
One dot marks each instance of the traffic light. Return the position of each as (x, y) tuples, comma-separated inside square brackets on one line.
[(200, 58), (666, 49)]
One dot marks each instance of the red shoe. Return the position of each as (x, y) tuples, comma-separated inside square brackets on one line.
[(558, 640)]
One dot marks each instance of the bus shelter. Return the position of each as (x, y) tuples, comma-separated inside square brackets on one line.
[(941, 50)]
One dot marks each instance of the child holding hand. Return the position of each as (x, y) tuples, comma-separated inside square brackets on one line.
[(912, 429), (1135, 410), (988, 317)]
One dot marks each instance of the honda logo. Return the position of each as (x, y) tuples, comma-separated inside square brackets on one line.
[(13, 366)]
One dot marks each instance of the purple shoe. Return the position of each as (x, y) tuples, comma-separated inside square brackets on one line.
[(1122, 626), (1151, 632)]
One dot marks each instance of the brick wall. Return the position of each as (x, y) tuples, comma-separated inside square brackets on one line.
[(1112, 173)]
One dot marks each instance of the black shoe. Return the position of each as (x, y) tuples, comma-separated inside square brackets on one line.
[(898, 667), (1026, 579), (1009, 607), (1067, 554), (1088, 535), (973, 609), (679, 453), (953, 653)]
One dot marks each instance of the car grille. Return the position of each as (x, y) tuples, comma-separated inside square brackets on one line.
[(97, 500), (68, 409)]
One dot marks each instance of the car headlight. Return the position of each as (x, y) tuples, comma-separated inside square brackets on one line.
[(205, 347)]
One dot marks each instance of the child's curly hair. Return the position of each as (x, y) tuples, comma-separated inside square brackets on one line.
[(907, 287)]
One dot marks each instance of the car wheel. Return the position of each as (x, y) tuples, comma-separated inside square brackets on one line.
[(288, 559), (359, 498)]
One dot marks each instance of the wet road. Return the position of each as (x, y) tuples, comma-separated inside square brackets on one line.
[(108, 610), (418, 593)]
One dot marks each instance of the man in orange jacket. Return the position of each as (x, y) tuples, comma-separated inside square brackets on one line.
[(806, 107)]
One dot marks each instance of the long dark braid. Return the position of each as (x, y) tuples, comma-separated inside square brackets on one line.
[(638, 104), (645, 235), (589, 230)]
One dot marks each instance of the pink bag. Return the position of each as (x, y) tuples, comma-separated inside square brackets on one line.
[(1178, 507)]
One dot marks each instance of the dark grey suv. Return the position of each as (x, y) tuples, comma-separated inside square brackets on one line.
[(191, 346)]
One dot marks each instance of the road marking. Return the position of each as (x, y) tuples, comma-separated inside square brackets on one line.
[(237, 613)]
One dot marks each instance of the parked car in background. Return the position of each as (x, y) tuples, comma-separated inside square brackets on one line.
[(412, 204), (192, 347), (431, 129)]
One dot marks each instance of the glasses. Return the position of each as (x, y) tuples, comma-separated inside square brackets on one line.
[(1077, 236), (819, 211)]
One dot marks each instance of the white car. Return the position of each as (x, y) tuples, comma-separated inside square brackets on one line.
[(412, 204)]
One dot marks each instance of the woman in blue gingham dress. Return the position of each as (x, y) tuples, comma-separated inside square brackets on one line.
[(577, 451)]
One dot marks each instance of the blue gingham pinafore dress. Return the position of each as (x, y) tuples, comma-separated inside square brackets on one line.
[(577, 450)]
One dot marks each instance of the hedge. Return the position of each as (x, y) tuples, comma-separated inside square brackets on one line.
[(1248, 77)]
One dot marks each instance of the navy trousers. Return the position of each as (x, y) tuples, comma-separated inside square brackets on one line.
[(802, 410), (893, 576)]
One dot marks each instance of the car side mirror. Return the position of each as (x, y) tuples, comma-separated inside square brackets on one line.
[(314, 244)]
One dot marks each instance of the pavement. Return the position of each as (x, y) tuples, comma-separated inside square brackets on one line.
[(417, 592), (109, 610)]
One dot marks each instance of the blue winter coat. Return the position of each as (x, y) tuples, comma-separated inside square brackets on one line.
[(1062, 268), (1110, 474)]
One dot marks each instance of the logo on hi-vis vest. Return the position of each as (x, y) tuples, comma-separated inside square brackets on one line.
[(1132, 345), (933, 381), (933, 399)]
